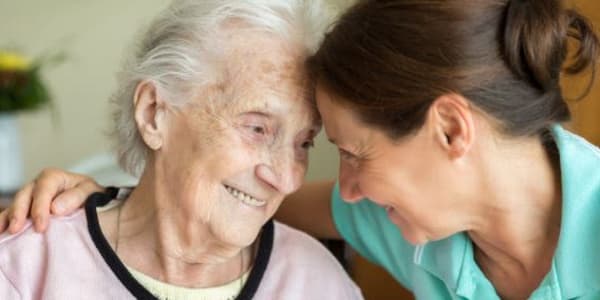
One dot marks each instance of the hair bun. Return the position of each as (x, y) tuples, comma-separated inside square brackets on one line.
[(535, 40)]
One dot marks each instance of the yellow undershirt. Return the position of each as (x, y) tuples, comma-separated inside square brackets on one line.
[(165, 291)]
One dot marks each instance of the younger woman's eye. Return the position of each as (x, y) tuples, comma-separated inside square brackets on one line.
[(345, 155)]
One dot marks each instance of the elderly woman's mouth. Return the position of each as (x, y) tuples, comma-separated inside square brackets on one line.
[(245, 198)]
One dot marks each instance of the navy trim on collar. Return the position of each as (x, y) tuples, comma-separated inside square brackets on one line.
[(95, 200)]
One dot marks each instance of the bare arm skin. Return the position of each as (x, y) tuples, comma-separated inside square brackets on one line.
[(59, 192), (53, 191), (309, 209)]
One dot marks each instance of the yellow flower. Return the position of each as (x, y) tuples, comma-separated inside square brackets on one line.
[(10, 61)]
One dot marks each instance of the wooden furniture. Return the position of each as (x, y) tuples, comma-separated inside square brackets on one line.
[(375, 282)]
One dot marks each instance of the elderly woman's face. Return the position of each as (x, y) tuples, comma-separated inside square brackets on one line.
[(234, 153)]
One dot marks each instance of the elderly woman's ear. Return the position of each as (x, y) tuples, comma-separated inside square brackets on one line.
[(150, 114)]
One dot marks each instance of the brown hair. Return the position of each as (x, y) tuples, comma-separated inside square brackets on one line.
[(390, 59)]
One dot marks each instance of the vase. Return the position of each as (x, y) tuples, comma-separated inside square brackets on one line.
[(11, 162)]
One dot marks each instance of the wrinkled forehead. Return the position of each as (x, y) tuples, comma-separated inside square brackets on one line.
[(261, 71), (260, 60)]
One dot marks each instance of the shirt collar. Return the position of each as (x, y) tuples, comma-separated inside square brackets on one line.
[(451, 260), (577, 256)]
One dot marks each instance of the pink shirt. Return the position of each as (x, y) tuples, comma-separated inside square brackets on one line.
[(72, 260)]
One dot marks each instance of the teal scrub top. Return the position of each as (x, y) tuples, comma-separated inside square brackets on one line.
[(446, 269)]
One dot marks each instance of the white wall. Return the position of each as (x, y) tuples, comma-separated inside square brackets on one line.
[(95, 35)]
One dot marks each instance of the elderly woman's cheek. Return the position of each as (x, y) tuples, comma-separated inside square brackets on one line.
[(301, 168), (291, 174)]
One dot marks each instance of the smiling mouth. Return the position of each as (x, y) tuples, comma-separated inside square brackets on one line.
[(245, 198)]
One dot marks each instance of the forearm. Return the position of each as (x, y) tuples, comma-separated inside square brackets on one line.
[(309, 209)]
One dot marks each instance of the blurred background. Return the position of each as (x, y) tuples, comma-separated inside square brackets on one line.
[(94, 35)]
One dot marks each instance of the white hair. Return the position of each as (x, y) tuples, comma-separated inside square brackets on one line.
[(177, 56)]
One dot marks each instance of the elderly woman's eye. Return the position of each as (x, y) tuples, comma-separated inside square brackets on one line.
[(257, 129), (308, 144)]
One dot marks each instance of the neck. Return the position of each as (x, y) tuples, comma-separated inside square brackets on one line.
[(160, 238), (518, 220)]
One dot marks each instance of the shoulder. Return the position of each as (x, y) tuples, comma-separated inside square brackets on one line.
[(45, 265), (301, 265), (29, 252), (56, 226)]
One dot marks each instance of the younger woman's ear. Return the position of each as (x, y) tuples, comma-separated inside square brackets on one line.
[(149, 114), (451, 117)]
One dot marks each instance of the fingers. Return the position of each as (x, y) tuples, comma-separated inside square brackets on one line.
[(17, 212), (53, 190), (47, 185), (74, 198), (3, 220)]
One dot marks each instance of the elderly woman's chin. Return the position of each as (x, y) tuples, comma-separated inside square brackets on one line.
[(238, 235), (237, 222), (238, 231)]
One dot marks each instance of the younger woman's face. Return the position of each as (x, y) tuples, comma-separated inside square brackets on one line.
[(410, 178)]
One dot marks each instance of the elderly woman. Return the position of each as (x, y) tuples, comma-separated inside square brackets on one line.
[(219, 132)]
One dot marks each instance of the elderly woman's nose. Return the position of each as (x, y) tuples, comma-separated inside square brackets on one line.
[(284, 173)]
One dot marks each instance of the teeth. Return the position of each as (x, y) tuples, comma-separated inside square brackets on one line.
[(245, 198)]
